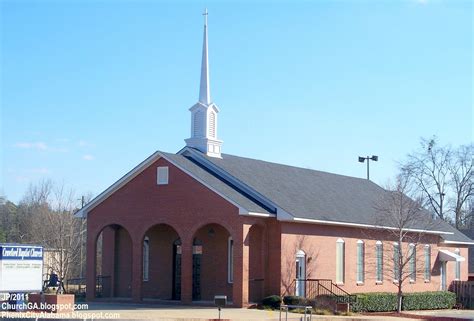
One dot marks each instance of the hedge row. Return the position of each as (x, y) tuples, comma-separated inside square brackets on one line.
[(382, 302), (376, 302)]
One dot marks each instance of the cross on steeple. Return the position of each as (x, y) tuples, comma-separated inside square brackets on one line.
[(205, 14)]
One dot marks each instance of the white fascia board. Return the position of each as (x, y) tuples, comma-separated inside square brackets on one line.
[(308, 220), (457, 242), (261, 214), (118, 184)]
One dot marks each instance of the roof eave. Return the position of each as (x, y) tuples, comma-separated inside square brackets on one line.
[(360, 225)]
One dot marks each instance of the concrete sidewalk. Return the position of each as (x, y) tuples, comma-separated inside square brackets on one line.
[(130, 311)]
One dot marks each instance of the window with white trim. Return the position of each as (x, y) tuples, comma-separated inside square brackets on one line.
[(230, 260), (457, 275), (379, 261), (412, 262), (427, 263), (146, 258), (360, 261), (396, 262), (340, 261), (162, 175)]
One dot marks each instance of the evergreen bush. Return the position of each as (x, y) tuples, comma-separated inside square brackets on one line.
[(384, 301)]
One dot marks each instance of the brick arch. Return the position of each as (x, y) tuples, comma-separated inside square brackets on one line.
[(224, 224), (99, 228), (144, 229), (115, 264), (161, 272), (211, 261)]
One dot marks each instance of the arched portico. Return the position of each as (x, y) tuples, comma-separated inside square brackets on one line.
[(212, 262), (113, 264), (161, 263)]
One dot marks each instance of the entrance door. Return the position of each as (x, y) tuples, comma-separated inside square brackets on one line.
[(443, 276), (300, 273), (177, 270)]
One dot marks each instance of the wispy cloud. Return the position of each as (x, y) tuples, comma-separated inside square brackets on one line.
[(42, 171), (83, 143), (88, 157), (32, 145)]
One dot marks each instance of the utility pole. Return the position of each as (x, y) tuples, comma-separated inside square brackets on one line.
[(81, 232)]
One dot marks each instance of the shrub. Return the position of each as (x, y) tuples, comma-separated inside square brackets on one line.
[(272, 301), (429, 300), (384, 302), (375, 302), (296, 300)]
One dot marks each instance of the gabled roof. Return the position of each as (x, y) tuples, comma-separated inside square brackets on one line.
[(246, 204), (290, 193), (315, 196)]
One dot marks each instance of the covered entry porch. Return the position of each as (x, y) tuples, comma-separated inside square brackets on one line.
[(167, 262)]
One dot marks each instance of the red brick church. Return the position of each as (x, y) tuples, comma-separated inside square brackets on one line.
[(199, 223)]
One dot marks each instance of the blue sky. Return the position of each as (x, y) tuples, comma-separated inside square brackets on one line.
[(91, 88)]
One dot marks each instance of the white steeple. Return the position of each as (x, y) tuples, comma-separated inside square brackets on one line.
[(204, 112), (205, 89)]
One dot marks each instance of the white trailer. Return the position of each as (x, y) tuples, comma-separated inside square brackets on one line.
[(21, 268)]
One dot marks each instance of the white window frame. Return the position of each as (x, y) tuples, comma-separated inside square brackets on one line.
[(396, 267), (427, 271), (146, 259), (230, 260), (457, 270), (412, 262), (162, 175), (340, 261), (379, 262), (360, 264)]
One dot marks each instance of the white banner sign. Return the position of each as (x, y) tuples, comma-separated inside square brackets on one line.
[(21, 268)]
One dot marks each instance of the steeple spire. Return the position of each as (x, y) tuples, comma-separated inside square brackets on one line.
[(204, 112), (205, 89)]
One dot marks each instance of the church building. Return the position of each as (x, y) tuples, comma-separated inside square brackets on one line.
[(190, 225)]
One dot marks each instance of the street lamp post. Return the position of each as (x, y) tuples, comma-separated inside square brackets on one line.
[(368, 158)]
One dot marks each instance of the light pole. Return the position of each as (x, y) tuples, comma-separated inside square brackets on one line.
[(368, 158)]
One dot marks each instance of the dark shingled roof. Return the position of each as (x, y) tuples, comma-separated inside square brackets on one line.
[(312, 194), (216, 183), (303, 193), (307, 193)]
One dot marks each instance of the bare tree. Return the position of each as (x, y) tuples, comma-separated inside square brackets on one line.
[(304, 244), (428, 168), (444, 177), (461, 171), (47, 219), (405, 223)]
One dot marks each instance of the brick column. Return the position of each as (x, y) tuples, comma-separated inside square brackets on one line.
[(240, 291), (137, 269), (186, 270), (108, 261), (90, 266)]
